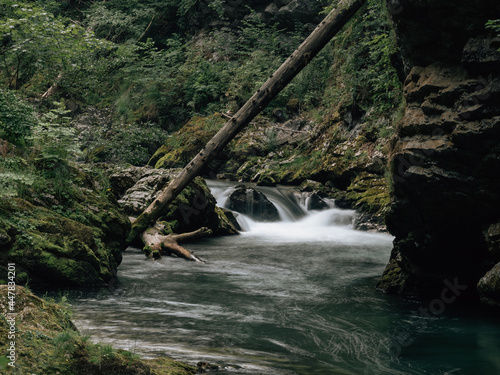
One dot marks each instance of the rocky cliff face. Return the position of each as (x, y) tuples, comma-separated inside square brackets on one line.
[(446, 155)]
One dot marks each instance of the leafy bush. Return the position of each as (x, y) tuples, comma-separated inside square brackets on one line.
[(363, 78), (16, 119), (38, 47), (494, 25), (122, 143)]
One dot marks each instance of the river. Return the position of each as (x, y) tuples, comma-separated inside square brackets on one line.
[(292, 297)]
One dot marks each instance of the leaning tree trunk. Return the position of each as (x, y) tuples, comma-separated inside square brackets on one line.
[(325, 31)]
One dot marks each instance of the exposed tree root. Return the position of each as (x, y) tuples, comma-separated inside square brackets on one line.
[(158, 244)]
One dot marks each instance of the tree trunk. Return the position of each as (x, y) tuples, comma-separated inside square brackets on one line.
[(159, 244), (325, 31)]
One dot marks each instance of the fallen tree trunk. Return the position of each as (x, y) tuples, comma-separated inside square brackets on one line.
[(325, 31), (158, 244)]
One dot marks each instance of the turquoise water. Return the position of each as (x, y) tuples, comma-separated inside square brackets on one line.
[(294, 297)]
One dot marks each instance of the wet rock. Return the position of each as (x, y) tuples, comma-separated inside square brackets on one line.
[(492, 238), (123, 179), (53, 250), (367, 222), (265, 179), (489, 287), (481, 55), (315, 202), (310, 185), (204, 367), (253, 203), (344, 203)]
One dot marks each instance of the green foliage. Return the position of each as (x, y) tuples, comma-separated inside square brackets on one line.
[(16, 119), (366, 82), (37, 47), (494, 25), (15, 177), (54, 136), (118, 25), (121, 143)]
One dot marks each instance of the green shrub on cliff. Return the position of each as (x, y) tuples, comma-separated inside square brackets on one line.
[(494, 25), (16, 119), (362, 76)]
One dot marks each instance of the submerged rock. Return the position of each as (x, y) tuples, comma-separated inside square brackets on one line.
[(253, 203)]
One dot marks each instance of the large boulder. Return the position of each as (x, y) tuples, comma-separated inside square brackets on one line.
[(195, 207), (140, 186), (253, 203)]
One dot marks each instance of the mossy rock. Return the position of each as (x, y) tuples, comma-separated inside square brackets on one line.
[(182, 146), (370, 192), (195, 207), (52, 250)]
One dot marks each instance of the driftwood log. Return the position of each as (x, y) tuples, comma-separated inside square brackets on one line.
[(323, 33), (158, 244)]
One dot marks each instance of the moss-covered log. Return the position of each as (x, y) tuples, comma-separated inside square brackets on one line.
[(325, 31)]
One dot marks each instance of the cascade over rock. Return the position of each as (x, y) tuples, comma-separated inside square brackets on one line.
[(253, 203), (446, 156)]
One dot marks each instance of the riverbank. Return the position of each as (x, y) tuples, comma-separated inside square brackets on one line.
[(45, 341)]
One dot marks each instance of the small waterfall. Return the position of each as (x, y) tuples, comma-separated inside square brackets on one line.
[(292, 207), (286, 201)]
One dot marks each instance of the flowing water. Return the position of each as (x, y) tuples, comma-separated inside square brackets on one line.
[(292, 297)]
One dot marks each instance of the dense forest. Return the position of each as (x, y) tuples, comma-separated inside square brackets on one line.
[(91, 85), (90, 89)]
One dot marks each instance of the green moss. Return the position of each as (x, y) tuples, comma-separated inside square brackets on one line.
[(394, 279), (182, 146), (370, 192), (50, 248), (169, 226), (147, 250), (167, 366)]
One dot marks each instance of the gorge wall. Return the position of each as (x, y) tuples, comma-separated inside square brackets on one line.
[(445, 162)]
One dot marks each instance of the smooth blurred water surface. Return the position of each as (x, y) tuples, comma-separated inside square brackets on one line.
[(293, 297)]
